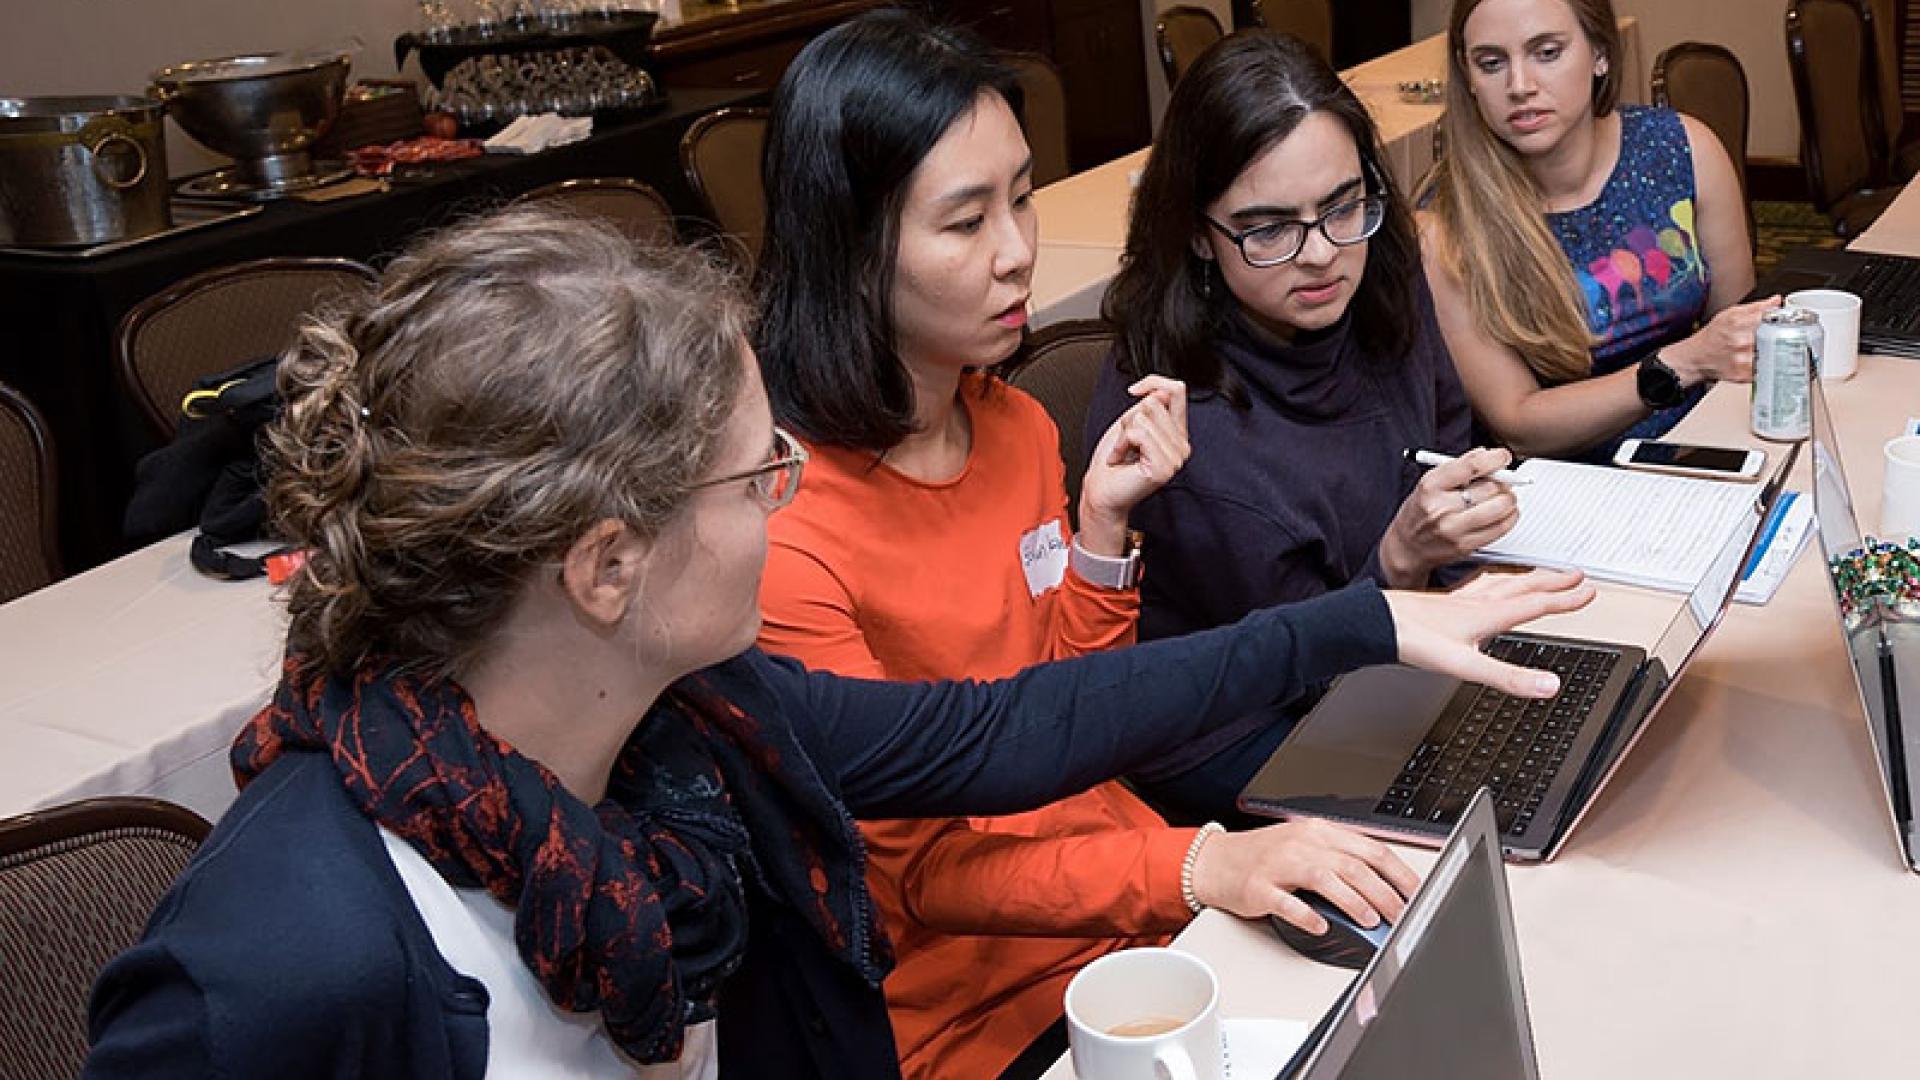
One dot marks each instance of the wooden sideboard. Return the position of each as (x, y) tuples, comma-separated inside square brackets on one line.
[(1098, 45)]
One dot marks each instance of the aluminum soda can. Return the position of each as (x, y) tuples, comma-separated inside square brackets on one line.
[(1786, 354)]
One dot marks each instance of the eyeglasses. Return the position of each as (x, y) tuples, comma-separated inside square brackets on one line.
[(776, 482), (1277, 242)]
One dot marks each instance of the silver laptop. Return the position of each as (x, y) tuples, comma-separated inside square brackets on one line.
[(1397, 752), (1443, 997), (1883, 643)]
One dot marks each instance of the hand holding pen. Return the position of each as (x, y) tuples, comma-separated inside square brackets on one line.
[(1460, 505)]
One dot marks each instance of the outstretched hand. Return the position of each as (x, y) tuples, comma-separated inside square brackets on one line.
[(1442, 632)]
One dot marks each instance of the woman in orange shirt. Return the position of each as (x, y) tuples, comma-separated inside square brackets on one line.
[(932, 540)]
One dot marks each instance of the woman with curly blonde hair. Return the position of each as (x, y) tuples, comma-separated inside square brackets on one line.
[(525, 802)]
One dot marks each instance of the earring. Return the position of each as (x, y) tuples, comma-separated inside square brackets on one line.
[(1600, 68)]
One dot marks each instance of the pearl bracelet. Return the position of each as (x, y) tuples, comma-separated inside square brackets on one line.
[(1186, 864)]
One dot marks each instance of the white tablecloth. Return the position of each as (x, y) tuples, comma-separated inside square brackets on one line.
[(131, 679)]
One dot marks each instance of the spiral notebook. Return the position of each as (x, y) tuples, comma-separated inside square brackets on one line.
[(1646, 529)]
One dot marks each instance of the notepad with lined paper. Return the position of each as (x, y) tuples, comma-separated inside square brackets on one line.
[(1639, 528)]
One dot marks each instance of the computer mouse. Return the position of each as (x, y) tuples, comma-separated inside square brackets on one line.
[(1346, 943)]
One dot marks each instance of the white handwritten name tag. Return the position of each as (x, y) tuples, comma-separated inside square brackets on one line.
[(1043, 555)]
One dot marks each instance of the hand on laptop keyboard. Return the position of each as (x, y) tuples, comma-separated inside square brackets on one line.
[(1442, 632)]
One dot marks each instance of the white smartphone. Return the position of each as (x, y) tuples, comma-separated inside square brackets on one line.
[(1711, 462)]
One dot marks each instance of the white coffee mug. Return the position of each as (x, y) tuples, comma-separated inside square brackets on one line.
[(1839, 314), (1900, 495), (1146, 1014)]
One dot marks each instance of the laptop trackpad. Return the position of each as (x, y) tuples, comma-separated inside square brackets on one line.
[(1352, 745)]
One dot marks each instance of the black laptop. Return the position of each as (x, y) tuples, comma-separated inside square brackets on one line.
[(1888, 287), (1398, 752)]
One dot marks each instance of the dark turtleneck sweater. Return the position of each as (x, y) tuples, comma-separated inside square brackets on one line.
[(1287, 498)]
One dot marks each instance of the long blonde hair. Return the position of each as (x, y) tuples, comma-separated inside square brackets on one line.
[(1519, 285)]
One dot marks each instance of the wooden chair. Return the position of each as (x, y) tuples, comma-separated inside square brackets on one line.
[(1309, 20), (1830, 53), (721, 155), (77, 884), (1183, 33), (29, 546), (1707, 83), (1043, 112), (636, 209), (219, 319), (1060, 369)]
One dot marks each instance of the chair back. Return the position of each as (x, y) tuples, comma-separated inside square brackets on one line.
[(721, 155), (1184, 32), (1707, 83), (219, 319), (634, 208), (1309, 20), (77, 884), (1061, 368), (1043, 113), (29, 549), (1830, 54), (1888, 111)]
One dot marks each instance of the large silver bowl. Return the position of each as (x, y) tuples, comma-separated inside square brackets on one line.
[(263, 111)]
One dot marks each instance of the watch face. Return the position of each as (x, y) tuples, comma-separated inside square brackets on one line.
[(1658, 385)]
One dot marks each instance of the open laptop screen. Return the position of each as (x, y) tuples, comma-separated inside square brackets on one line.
[(1443, 997), (1882, 642)]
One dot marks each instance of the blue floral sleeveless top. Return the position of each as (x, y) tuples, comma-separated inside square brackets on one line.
[(1636, 256)]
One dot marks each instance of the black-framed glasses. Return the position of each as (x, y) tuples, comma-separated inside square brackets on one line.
[(776, 482), (1277, 242)]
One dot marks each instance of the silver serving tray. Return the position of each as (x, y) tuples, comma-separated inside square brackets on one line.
[(188, 215)]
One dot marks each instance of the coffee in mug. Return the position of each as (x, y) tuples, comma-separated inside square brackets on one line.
[(1140, 1029), (1145, 1014)]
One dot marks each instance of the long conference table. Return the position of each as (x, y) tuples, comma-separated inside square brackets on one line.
[(1083, 218), (1734, 905)]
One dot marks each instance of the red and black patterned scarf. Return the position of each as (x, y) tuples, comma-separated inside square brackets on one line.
[(635, 908)]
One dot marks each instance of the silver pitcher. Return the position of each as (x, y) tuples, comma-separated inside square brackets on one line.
[(81, 170)]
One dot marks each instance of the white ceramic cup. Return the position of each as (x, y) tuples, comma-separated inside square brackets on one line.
[(1900, 495), (1839, 314), (1146, 989)]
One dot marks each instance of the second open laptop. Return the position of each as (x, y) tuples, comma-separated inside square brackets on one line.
[(1443, 997), (1397, 751), (1882, 641)]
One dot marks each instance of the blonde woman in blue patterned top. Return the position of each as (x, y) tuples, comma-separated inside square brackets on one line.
[(1587, 261)]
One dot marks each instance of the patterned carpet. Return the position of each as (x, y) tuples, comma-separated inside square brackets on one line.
[(1779, 227)]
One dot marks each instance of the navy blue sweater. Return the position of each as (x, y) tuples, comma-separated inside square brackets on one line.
[(1287, 498), (289, 947)]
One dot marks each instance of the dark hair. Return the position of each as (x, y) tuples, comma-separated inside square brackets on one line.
[(853, 117), (1243, 96)]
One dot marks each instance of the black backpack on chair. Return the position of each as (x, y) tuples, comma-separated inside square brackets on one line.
[(209, 475)]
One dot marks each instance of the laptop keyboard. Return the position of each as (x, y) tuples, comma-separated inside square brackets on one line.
[(1890, 290), (1515, 746)]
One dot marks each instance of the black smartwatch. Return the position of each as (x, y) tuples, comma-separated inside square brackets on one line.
[(1659, 387)]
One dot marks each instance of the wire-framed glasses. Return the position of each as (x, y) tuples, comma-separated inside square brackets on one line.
[(1277, 242), (776, 482)]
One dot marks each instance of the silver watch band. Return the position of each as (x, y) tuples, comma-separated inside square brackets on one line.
[(1105, 570)]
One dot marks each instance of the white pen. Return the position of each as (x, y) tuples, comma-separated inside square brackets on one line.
[(1431, 458)]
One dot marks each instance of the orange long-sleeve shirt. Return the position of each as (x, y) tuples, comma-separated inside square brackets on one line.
[(875, 574)]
